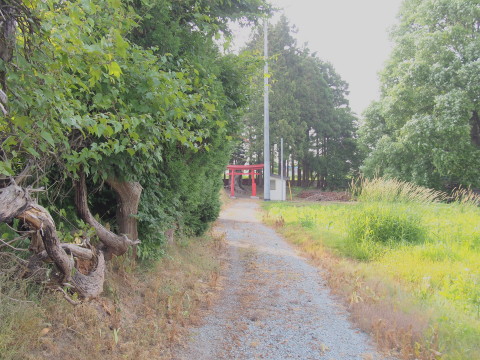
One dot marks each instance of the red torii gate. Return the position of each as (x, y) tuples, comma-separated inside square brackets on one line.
[(252, 172)]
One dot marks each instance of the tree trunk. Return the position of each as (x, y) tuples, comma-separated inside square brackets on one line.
[(16, 203), (7, 44), (238, 183), (114, 244), (299, 174), (307, 175), (127, 206), (318, 156), (292, 171), (304, 174), (325, 154), (287, 167)]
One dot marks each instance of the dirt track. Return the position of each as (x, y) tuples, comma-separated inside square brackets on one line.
[(274, 305)]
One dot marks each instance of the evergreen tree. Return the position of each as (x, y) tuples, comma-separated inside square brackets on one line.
[(308, 109)]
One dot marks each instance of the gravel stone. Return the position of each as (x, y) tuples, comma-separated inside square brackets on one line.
[(274, 304)]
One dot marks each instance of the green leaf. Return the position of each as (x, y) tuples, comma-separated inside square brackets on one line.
[(10, 141), (6, 169), (48, 138), (209, 107), (95, 75), (122, 45), (114, 69), (33, 152)]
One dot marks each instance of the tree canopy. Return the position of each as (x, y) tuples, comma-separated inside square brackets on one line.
[(426, 126)]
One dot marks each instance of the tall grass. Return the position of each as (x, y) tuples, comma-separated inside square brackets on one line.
[(393, 191), (465, 197), (410, 237), (21, 318), (397, 191)]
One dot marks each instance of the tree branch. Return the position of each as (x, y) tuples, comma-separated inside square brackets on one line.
[(8, 243)]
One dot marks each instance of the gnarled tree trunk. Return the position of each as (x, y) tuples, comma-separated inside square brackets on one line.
[(113, 244), (15, 202), (128, 199)]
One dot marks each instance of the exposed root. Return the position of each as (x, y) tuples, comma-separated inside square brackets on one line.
[(15, 202)]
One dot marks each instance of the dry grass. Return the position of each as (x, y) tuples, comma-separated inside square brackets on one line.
[(225, 198), (144, 311), (397, 191), (466, 196)]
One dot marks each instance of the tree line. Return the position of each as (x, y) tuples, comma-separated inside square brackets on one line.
[(308, 108), (425, 128)]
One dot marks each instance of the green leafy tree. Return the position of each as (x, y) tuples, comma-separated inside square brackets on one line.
[(425, 128), (89, 102), (186, 35)]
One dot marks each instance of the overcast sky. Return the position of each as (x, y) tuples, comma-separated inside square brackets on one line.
[(351, 34)]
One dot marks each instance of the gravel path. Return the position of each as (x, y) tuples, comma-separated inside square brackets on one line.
[(274, 305)]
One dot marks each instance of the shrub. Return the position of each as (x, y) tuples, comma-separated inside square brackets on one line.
[(372, 230)]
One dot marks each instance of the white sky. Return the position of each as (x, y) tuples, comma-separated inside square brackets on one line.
[(351, 34)]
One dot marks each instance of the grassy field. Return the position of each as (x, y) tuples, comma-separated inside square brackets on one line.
[(407, 263)]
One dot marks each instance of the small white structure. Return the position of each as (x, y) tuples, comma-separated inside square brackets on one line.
[(278, 188)]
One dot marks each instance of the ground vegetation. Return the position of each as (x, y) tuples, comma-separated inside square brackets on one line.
[(406, 260)]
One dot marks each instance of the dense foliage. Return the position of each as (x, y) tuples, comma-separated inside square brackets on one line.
[(137, 92), (426, 126), (308, 109)]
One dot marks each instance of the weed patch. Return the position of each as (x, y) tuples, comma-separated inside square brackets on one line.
[(373, 230)]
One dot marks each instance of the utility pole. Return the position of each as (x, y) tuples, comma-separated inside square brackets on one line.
[(281, 169), (266, 118)]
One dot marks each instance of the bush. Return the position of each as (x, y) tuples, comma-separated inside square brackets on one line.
[(372, 230)]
